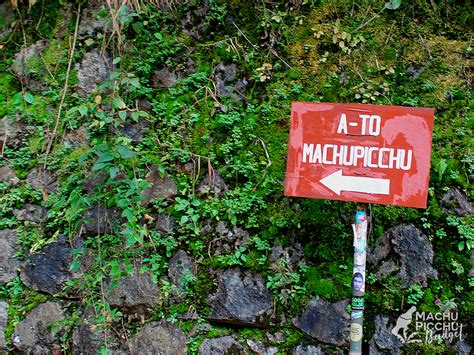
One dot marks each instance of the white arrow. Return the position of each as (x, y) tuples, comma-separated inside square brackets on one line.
[(336, 182)]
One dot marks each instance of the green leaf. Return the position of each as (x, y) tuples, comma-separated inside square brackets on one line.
[(183, 220), (130, 241), (126, 153), (17, 99), (159, 36), (123, 114), (128, 213), (123, 203), (104, 157), (461, 246), (117, 60), (135, 82), (89, 42), (118, 103), (113, 172), (83, 110), (29, 98), (393, 4)]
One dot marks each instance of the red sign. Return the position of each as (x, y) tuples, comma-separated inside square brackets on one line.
[(360, 153)]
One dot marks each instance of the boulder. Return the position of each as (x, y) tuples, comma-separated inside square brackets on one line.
[(455, 201), (164, 78), (91, 24), (33, 335), (258, 347), (165, 223), (8, 263), (222, 345), (13, 132), (8, 175), (159, 338), (412, 248), (22, 65), (78, 137), (383, 341), (134, 130), (463, 348), (307, 350), (31, 214), (241, 298), (181, 266), (48, 269), (326, 322), (416, 255), (225, 77), (134, 292), (94, 69), (3, 324), (229, 238), (99, 219), (212, 185), (88, 339), (159, 188), (43, 180)]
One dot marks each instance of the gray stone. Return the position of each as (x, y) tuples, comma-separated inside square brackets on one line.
[(8, 248), (414, 251), (414, 73), (455, 201), (212, 184), (181, 266), (387, 268), (8, 16), (101, 220), (222, 345), (292, 255), (164, 78), (134, 130), (88, 339), (229, 238), (416, 255), (241, 298), (326, 322), (381, 251), (307, 350), (159, 188), (94, 69), (159, 338), (13, 132), (91, 24), (258, 347), (43, 180), (134, 292), (227, 84), (8, 175), (21, 65), (383, 341), (165, 223), (48, 269), (77, 138), (31, 214), (32, 335), (3, 324), (463, 348)]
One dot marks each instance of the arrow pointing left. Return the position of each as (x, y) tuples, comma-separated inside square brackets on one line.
[(337, 182)]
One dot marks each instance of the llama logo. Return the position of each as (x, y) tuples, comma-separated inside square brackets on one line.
[(402, 324)]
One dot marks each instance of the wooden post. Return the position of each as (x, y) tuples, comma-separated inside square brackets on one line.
[(358, 281)]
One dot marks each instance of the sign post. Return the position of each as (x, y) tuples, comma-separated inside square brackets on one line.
[(358, 282), (360, 153)]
